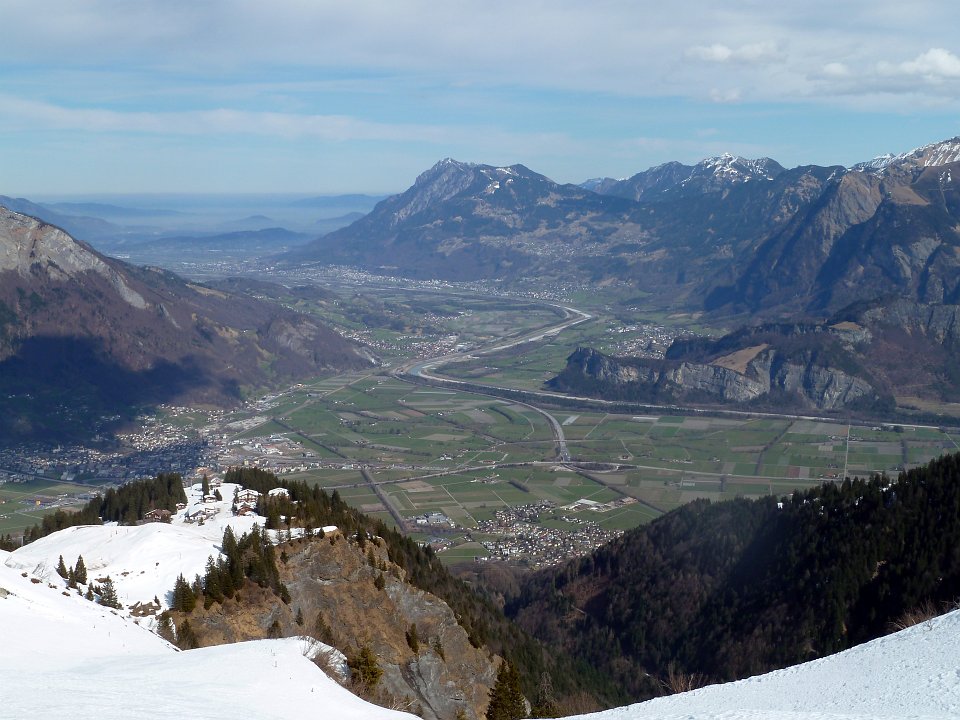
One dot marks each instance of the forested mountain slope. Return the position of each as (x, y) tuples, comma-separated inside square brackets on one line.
[(733, 589)]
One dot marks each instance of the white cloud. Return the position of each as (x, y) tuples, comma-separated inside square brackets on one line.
[(338, 128), (934, 65), (731, 95), (752, 52), (613, 46)]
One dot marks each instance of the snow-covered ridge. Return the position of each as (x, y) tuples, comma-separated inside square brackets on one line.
[(71, 657), (932, 155), (913, 674), (143, 561), (733, 168), (68, 657)]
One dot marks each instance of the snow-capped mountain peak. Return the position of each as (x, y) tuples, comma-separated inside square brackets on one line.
[(932, 155), (733, 168)]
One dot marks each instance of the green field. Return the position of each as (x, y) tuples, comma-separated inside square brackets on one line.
[(22, 505)]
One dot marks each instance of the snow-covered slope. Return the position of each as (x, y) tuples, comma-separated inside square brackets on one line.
[(911, 675), (933, 155), (143, 561), (64, 656)]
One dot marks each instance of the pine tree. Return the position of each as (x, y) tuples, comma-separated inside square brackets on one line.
[(299, 619), (62, 568), (379, 583), (506, 697), (545, 706), (275, 630), (108, 594), (186, 638), (205, 486), (184, 599), (212, 588), (364, 668), (80, 571), (413, 638), (165, 627)]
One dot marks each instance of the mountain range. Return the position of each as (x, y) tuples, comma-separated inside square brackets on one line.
[(109, 336), (727, 234), (845, 282)]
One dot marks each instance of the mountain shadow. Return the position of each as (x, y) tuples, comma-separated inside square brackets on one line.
[(68, 388)]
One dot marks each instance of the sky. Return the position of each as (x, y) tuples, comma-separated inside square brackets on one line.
[(319, 97)]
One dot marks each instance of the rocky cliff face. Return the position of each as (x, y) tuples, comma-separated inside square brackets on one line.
[(764, 375), (335, 581)]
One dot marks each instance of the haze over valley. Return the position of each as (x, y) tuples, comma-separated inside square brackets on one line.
[(405, 362)]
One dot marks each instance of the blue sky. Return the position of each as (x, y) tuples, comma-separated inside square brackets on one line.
[(309, 96)]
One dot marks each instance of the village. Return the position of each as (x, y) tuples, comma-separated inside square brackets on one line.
[(521, 537)]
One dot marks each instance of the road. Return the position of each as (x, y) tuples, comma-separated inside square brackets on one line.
[(424, 371), (421, 368)]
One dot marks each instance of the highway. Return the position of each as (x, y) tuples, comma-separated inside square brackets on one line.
[(424, 371), (421, 369)]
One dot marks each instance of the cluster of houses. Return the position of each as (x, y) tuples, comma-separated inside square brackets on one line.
[(244, 503)]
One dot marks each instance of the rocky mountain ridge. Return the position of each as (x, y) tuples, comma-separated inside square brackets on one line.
[(466, 221), (729, 235), (761, 373)]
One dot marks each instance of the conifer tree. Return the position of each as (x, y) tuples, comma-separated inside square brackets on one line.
[(165, 627), (186, 637), (184, 599), (108, 594), (62, 568), (80, 571), (545, 705), (205, 486), (364, 668), (323, 631), (413, 638), (212, 590), (506, 697)]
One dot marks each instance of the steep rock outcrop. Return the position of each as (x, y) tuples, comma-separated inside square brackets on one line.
[(766, 374), (333, 579)]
